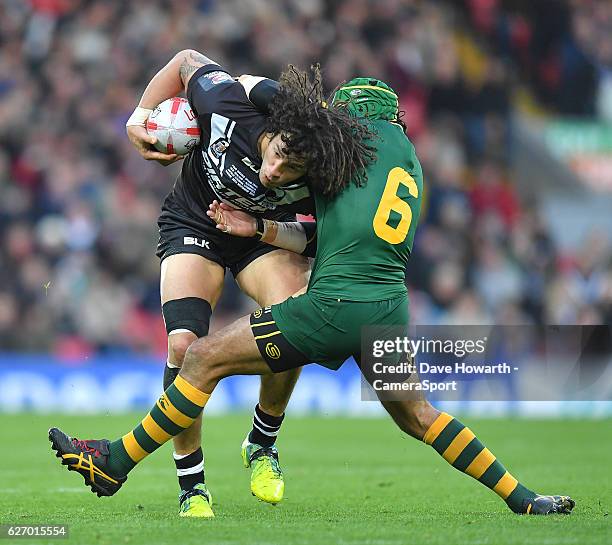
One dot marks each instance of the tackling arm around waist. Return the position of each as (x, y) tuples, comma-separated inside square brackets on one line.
[(297, 236)]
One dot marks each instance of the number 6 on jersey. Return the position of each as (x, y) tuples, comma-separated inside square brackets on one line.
[(390, 201)]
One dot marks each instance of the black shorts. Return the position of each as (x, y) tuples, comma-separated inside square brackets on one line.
[(182, 233), (275, 349)]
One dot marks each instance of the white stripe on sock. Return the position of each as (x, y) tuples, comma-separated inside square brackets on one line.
[(190, 470), (262, 423), (268, 433), (180, 456)]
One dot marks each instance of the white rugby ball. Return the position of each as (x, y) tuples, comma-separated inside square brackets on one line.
[(175, 126)]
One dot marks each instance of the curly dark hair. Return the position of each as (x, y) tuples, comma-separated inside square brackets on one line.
[(331, 144)]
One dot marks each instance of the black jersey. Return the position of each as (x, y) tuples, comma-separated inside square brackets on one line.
[(225, 165)]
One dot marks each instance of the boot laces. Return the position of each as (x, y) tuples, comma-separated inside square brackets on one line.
[(84, 446)]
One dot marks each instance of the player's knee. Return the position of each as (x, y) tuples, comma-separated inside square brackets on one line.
[(186, 320), (208, 357), (178, 344), (194, 356), (200, 360)]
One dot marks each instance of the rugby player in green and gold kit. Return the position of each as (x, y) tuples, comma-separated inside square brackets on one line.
[(364, 233)]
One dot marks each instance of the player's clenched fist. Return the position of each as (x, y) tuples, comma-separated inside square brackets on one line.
[(232, 221)]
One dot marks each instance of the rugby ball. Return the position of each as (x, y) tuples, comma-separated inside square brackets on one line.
[(175, 126)]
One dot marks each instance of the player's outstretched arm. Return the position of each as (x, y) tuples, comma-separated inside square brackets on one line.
[(295, 236), (171, 80)]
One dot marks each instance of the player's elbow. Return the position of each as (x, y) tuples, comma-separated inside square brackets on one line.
[(181, 57), (187, 61), (184, 53)]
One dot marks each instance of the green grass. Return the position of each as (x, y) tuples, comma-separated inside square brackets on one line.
[(355, 481)]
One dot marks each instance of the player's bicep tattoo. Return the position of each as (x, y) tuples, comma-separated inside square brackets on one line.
[(192, 60)]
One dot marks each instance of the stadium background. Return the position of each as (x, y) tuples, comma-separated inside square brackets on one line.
[(509, 104)]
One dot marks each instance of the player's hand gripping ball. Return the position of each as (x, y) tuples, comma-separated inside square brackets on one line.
[(175, 126)]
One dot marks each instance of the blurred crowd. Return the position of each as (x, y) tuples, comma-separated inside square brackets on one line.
[(562, 47), (78, 206)]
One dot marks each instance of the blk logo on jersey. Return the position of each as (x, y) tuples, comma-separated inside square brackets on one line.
[(219, 147), (193, 241)]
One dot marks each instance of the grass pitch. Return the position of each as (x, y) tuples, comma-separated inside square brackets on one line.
[(348, 481)]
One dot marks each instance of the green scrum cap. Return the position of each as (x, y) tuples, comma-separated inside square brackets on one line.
[(368, 97)]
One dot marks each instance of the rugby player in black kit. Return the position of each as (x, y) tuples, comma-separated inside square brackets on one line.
[(244, 157)]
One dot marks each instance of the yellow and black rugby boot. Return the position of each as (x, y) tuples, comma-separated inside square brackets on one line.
[(549, 505), (196, 502), (89, 458), (267, 481)]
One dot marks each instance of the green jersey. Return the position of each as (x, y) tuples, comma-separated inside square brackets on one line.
[(365, 234)]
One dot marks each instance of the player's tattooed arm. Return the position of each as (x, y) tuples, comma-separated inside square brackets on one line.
[(191, 61), (173, 78), (167, 83)]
